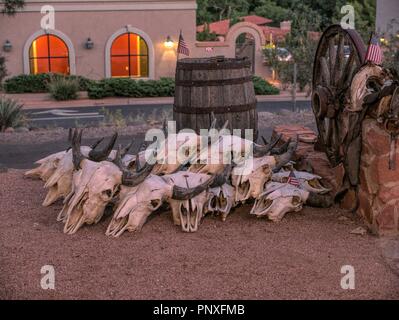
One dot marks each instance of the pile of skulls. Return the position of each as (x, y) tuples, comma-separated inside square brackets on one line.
[(90, 179)]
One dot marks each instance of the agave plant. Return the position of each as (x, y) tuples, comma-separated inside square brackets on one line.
[(10, 113)]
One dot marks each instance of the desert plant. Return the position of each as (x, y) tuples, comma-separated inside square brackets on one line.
[(63, 88), (3, 70), (11, 115), (262, 87), (36, 83), (114, 118)]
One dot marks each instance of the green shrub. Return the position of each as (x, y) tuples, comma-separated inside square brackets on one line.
[(10, 114), (36, 83), (3, 69), (126, 87), (262, 87), (63, 88)]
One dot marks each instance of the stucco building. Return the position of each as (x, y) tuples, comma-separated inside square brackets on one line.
[(97, 39), (113, 38)]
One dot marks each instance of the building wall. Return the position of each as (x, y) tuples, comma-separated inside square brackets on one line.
[(387, 11), (100, 20)]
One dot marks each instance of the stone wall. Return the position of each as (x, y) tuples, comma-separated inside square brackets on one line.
[(379, 186)]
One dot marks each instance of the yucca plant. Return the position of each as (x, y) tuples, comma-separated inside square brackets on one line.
[(63, 88), (11, 115)]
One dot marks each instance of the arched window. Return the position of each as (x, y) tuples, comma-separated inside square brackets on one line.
[(129, 56), (49, 53)]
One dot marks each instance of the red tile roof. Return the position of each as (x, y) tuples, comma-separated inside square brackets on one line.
[(277, 33), (257, 20), (222, 27)]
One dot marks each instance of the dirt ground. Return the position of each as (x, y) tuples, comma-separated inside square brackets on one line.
[(242, 258)]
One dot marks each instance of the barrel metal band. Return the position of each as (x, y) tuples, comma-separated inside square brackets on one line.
[(218, 82), (219, 109), (214, 66)]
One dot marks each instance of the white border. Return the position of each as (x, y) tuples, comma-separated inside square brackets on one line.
[(147, 39), (68, 42)]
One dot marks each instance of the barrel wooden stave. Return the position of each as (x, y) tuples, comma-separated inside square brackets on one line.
[(216, 86)]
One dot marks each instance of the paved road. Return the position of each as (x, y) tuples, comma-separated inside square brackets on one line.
[(22, 156), (70, 117)]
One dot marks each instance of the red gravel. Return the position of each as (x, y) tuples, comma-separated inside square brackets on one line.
[(243, 258)]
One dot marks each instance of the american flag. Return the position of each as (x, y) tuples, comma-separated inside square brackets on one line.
[(292, 179), (374, 52), (182, 47)]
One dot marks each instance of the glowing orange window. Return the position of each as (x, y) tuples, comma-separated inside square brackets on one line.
[(129, 56), (48, 53)]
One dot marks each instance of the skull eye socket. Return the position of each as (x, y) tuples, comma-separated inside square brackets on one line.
[(155, 204), (107, 193)]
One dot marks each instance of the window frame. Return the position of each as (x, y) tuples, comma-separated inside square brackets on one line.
[(129, 55), (49, 57)]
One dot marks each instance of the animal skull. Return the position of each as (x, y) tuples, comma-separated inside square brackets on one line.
[(94, 186), (221, 200), (279, 199), (249, 178), (308, 181), (138, 202), (46, 167), (189, 211)]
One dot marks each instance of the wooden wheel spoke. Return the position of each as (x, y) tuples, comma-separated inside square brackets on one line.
[(348, 70), (332, 52), (339, 59), (325, 72)]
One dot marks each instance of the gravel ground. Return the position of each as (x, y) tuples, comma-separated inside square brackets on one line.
[(242, 258)]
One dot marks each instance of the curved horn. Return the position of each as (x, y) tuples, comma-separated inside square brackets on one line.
[(261, 151), (70, 135), (281, 149), (95, 144), (213, 121), (126, 149), (77, 156), (286, 157), (103, 154), (264, 141), (180, 193), (165, 127), (131, 179)]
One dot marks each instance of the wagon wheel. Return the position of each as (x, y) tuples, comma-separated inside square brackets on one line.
[(339, 55)]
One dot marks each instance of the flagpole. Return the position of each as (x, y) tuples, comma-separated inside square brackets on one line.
[(178, 44)]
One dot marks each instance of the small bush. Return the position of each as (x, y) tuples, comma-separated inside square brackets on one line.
[(63, 88), (3, 69), (126, 87), (38, 83), (11, 115), (262, 87)]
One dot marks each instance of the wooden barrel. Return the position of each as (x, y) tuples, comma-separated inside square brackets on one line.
[(220, 85)]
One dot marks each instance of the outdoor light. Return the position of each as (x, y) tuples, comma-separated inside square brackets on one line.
[(89, 43), (7, 46), (169, 42)]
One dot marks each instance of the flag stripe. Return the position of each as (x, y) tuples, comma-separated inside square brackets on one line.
[(374, 52), (182, 47)]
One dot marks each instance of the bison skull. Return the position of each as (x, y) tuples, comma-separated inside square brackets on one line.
[(46, 167), (308, 181)]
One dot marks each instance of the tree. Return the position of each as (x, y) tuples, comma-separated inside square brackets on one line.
[(269, 9), (10, 7)]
